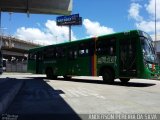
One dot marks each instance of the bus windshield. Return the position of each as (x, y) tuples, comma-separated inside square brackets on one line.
[(148, 50)]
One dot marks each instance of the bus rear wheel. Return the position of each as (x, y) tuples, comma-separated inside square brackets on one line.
[(108, 76), (124, 80)]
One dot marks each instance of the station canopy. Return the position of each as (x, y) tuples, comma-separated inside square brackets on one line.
[(63, 7)]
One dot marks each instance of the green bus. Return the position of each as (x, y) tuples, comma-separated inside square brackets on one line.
[(123, 55)]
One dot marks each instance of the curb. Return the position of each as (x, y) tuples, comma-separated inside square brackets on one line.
[(8, 90)]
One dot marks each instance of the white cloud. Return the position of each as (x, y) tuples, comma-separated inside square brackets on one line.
[(150, 7), (34, 35), (134, 11), (50, 35), (94, 28), (147, 24), (62, 33)]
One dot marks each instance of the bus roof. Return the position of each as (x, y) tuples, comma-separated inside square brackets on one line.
[(131, 32)]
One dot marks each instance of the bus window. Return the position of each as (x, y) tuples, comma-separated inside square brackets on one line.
[(32, 56), (40, 56), (49, 53), (60, 52), (83, 52), (101, 49), (106, 47), (72, 55), (86, 49)]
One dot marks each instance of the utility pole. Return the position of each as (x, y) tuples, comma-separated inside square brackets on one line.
[(155, 21), (70, 20)]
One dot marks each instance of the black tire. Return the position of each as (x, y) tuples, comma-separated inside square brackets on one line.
[(108, 76), (124, 80)]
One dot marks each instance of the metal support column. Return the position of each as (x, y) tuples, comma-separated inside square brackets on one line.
[(70, 33), (155, 21)]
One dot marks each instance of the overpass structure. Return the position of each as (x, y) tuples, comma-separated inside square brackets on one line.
[(13, 47), (15, 53), (63, 7)]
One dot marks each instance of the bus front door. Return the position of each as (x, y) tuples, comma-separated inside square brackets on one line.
[(127, 58)]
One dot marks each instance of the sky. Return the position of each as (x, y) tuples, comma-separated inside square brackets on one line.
[(99, 17)]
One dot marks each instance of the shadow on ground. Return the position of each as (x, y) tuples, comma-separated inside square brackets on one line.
[(116, 83), (37, 100)]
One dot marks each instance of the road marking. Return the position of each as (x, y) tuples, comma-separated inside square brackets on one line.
[(73, 92), (68, 93), (80, 92)]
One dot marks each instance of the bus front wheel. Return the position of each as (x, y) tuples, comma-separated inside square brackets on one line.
[(108, 76), (124, 80)]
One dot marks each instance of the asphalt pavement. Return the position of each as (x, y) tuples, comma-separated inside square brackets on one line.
[(40, 98)]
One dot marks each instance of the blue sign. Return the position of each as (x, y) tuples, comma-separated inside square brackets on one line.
[(69, 20)]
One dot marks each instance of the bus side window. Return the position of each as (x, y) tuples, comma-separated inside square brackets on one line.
[(40, 56), (72, 54), (57, 53), (48, 53), (63, 52), (81, 52), (106, 47), (60, 52), (32, 56), (84, 49), (112, 47), (101, 47)]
